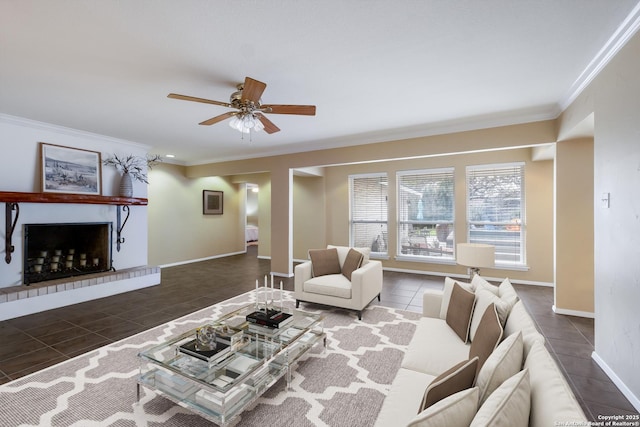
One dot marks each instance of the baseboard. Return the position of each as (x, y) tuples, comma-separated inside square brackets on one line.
[(466, 277), (633, 399), (577, 313), (190, 261)]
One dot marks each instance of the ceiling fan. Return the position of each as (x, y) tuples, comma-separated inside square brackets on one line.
[(249, 114)]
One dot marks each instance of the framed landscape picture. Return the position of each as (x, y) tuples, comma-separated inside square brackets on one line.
[(70, 170), (212, 202)]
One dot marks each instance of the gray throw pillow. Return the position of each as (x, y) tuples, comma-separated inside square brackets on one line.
[(460, 311), (324, 261), (459, 377), (351, 263), (487, 337)]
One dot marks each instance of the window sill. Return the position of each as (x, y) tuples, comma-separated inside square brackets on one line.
[(426, 260), (511, 267)]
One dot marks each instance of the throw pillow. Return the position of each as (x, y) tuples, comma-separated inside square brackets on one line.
[(505, 361), (478, 282), (483, 299), (508, 406), (324, 261), (507, 292), (459, 377), (453, 411), (446, 294), (460, 310), (351, 263), (488, 336)]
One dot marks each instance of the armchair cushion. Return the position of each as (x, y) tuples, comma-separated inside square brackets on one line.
[(335, 285), (352, 262), (324, 261)]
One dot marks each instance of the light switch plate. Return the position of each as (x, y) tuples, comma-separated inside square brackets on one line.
[(605, 200)]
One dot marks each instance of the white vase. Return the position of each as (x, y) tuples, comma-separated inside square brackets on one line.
[(126, 185)]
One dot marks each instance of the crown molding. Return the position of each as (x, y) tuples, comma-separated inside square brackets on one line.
[(620, 37), (48, 127)]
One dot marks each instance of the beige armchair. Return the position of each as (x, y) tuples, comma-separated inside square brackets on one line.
[(341, 282)]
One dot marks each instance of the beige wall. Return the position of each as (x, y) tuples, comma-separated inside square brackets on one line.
[(309, 219), (574, 290), (178, 231), (538, 199)]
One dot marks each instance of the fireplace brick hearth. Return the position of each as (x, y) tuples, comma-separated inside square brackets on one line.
[(15, 293)]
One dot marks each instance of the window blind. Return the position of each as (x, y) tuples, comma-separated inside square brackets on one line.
[(426, 213), (495, 209), (368, 213)]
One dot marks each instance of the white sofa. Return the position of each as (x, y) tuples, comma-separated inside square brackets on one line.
[(337, 290), (435, 347)]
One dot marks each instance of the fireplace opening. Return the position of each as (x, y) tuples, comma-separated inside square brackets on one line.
[(56, 251)]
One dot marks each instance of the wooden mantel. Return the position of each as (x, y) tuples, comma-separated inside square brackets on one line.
[(12, 199), (17, 197)]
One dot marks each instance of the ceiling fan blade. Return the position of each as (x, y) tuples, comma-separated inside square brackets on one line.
[(269, 127), (252, 90), (303, 110), (219, 118), (193, 98)]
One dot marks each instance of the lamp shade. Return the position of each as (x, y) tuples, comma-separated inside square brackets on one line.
[(475, 255)]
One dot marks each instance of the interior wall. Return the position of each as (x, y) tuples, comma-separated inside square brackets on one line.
[(308, 215), (178, 230), (574, 291), (539, 205), (616, 94), (20, 171)]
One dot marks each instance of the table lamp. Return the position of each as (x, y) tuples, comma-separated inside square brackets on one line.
[(474, 256)]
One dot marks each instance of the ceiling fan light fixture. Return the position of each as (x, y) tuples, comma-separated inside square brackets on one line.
[(246, 123)]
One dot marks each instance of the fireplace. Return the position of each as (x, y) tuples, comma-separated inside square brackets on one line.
[(56, 251)]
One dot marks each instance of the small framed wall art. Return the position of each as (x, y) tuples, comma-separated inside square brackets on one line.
[(70, 170), (212, 202)]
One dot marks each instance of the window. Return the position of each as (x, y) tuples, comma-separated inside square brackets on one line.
[(426, 213), (495, 210), (368, 222)]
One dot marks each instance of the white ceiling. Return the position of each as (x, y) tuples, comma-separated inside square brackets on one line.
[(376, 69)]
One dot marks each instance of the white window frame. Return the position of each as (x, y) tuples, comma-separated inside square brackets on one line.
[(425, 247), (379, 218), (505, 228)]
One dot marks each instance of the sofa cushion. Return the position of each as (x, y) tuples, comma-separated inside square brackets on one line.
[(505, 361), (335, 285), (459, 377), (421, 355), (351, 263), (488, 336), (324, 261), (551, 397), (403, 399), (508, 406), (446, 294), (483, 299), (460, 311), (453, 411), (507, 292), (519, 320)]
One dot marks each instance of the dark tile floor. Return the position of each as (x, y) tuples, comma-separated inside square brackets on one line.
[(31, 343)]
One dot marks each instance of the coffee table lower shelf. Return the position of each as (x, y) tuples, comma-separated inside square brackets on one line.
[(220, 408)]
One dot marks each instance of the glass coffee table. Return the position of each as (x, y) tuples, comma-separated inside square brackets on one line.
[(247, 360)]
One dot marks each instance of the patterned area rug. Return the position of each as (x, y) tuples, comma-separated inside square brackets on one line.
[(344, 385)]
